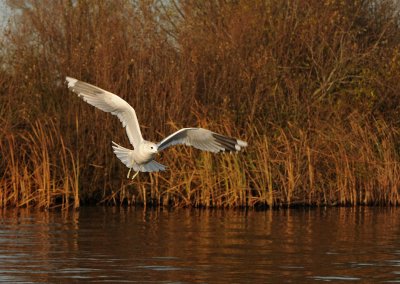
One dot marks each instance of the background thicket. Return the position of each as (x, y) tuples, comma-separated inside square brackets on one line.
[(313, 86)]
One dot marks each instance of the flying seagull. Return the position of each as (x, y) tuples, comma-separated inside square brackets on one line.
[(141, 158)]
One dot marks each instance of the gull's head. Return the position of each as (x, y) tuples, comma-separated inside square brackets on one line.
[(151, 147)]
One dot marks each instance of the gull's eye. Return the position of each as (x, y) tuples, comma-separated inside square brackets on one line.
[(151, 147)]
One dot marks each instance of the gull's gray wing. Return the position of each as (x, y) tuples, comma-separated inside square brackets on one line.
[(202, 139), (109, 102)]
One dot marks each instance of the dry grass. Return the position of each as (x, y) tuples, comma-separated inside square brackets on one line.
[(35, 173), (311, 85)]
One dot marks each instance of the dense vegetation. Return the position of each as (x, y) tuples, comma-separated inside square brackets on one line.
[(313, 86)]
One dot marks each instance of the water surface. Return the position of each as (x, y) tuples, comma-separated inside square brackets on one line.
[(205, 246)]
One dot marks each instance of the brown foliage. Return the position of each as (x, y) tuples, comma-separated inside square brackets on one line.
[(311, 85)]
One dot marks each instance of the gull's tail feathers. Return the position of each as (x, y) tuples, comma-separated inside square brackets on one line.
[(124, 155)]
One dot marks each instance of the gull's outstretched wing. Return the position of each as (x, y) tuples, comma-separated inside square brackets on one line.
[(202, 139), (109, 102)]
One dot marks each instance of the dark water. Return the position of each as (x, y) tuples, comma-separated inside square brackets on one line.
[(182, 246)]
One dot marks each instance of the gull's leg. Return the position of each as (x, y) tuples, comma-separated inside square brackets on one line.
[(135, 175), (129, 172)]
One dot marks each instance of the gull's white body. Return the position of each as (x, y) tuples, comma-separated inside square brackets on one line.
[(141, 158)]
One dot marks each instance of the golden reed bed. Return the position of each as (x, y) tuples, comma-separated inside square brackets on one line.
[(313, 86)]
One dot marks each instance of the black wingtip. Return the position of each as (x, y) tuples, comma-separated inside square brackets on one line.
[(230, 144)]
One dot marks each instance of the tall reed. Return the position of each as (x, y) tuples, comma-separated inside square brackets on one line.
[(35, 173)]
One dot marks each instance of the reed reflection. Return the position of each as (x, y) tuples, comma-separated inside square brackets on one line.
[(124, 244), (32, 242)]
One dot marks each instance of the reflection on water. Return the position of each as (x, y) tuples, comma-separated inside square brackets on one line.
[(128, 245)]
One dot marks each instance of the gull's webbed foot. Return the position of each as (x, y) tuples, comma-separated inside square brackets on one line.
[(135, 175)]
